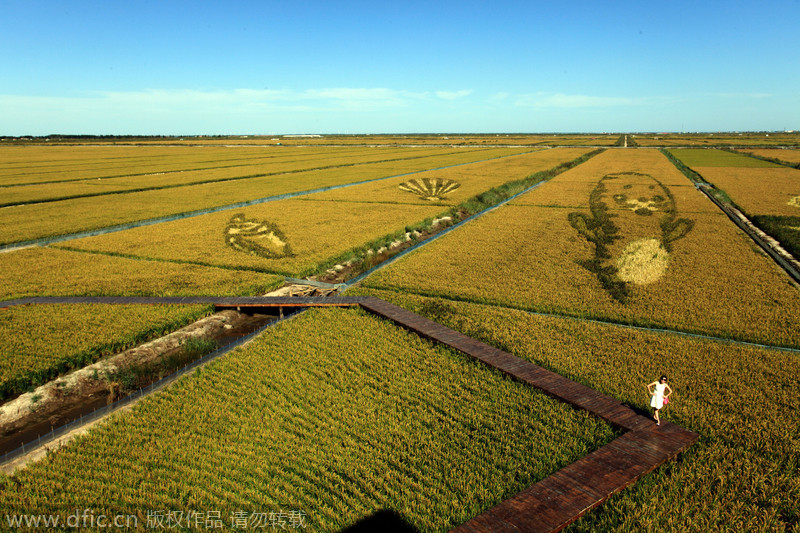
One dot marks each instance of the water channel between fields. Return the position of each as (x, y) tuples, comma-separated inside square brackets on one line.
[(98, 404)]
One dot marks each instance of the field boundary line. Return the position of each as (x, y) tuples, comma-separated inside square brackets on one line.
[(432, 238), (769, 244), (201, 182), (17, 458), (200, 169), (652, 329), (10, 247), (766, 242), (234, 268), (558, 500)]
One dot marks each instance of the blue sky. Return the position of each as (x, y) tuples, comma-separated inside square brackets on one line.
[(268, 67)]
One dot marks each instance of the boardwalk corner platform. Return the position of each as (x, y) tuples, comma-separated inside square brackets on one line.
[(552, 503)]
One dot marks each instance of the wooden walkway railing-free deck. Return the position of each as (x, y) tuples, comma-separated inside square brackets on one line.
[(552, 503), (562, 498)]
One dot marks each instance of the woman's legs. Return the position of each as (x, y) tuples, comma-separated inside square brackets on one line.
[(655, 415)]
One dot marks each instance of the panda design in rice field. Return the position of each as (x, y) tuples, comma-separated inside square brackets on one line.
[(432, 189), (255, 237), (632, 224)]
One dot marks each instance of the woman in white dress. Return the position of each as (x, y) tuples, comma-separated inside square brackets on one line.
[(659, 391)]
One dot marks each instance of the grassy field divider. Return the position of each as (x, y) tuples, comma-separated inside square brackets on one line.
[(443, 303), (365, 259), (757, 228), (782, 229), (101, 412), (32, 378)]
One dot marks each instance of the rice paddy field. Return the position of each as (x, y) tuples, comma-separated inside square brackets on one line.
[(791, 157), (52, 272), (743, 473), (41, 342), (695, 253), (70, 214), (338, 422), (319, 226), (610, 273), (768, 193)]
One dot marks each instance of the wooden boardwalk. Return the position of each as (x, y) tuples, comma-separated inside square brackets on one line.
[(562, 498), (546, 506)]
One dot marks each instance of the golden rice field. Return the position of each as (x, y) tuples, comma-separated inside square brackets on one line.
[(715, 280), (758, 187), (741, 475), (20, 223), (472, 179), (574, 188), (709, 140), (769, 194), (52, 164), (790, 156), (735, 139), (707, 157), (315, 230), (763, 191), (339, 423), (339, 414), (248, 169), (41, 342), (51, 272)]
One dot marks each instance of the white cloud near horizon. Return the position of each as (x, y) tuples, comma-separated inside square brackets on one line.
[(560, 100), (218, 111), (235, 100), (453, 95), (750, 96), (349, 109)]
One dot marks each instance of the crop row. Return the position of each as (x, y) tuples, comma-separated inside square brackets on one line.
[(472, 180), (41, 342), (338, 422), (49, 164), (22, 223), (683, 268), (48, 192), (312, 230), (741, 475), (315, 231), (51, 272), (776, 155), (697, 157), (768, 194)]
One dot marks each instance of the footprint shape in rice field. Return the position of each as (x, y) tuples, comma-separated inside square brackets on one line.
[(256, 237), (625, 256), (432, 189)]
